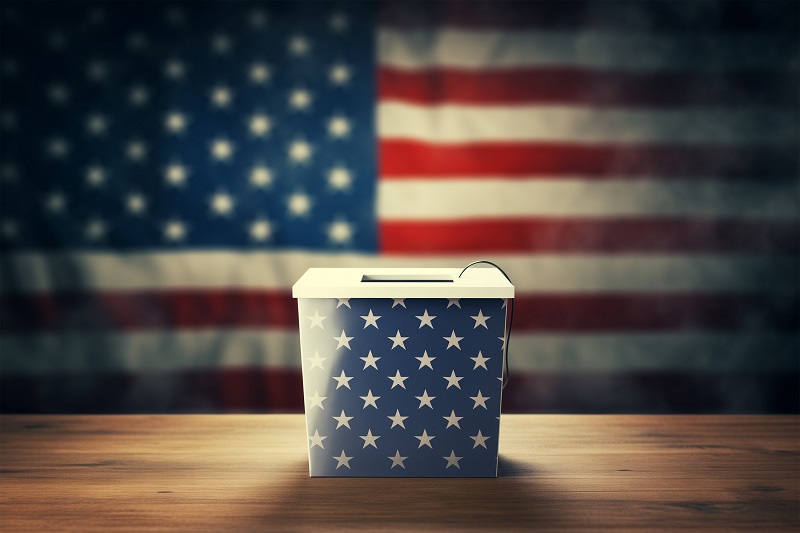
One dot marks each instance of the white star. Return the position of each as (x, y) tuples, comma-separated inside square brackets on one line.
[(338, 127), (425, 439), (369, 439), (96, 124), (343, 420), (369, 399), (316, 320), (425, 399), (97, 70), (58, 147), (425, 360), (175, 122), (339, 178), (317, 439), (398, 459), (343, 302), (339, 74), (397, 379), (398, 301), (316, 401), (370, 320), (453, 301), (299, 46), (300, 151), (258, 19), (221, 44), (9, 228), (260, 176), (260, 124), (221, 149), (136, 203), (370, 360), (300, 99), (299, 204), (452, 380), (503, 339), (425, 320), (397, 419), (137, 41), (221, 204), (221, 96), (480, 440), (343, 340), (175, 174), (340, 232), (452, 340), (316, 360), (480, 399), (95, 176), (56, 202), (480, 319), (452, 420), (398, 340), (175, 69), (480, 361), (139, 95), (452, 460), (339, 22), (260, 73), (136, 150), (260, 229), (174, 230), (95, 229), (342, 460), (58, 93), (342, 380)]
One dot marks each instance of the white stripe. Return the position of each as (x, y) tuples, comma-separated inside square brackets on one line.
[(409, 49), (279, 270), (175, 351), (495, 198), (462, 124)]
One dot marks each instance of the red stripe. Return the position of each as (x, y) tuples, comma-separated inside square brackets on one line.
[(581, 15), (572, 235), (409, 159), (261, 390), (137, 311), (596, 88)]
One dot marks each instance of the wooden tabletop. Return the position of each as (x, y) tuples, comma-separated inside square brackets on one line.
[(250, 473)]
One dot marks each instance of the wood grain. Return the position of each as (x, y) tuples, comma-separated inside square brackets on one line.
[(250, 473)]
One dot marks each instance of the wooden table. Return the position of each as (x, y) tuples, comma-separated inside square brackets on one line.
[(250, 472)]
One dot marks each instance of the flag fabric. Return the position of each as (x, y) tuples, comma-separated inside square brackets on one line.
[(402, 387), (169, 170)]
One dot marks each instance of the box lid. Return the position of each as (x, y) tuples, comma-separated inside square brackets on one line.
[(476, 282)]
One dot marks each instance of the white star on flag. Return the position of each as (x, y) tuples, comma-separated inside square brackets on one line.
[(398, 340), (397, 419), (425, 320), (344, 302), (398, 301), (452, 380), (453, 301), (452, 420), (397, 460), (369, 399), (343, 460), (425, 399), (480, 440), (452, 340), (425, 439), (397, 379), (370, 320), (480, 399), (452, 460), (343, 340), (316, 400), (370, 360), (316, 361), (369, 439), (343, 420), (425, 360), (316, 440), (480, 360), (480, 319), (343, 381)]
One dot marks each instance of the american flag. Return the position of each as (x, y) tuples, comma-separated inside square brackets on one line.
[(402, 387), (169, 170)]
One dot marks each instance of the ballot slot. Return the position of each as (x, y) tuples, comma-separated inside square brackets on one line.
[(406, 278)]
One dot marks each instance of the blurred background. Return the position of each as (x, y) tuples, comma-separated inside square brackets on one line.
[(170, 169)]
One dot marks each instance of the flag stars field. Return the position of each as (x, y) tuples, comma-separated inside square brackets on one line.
[(370, 360)]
